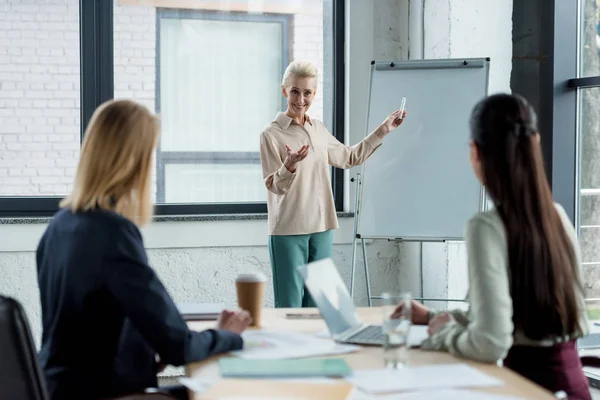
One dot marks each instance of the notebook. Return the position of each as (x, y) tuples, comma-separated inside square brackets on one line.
[(274, 389), (283, 368), (200, 311)]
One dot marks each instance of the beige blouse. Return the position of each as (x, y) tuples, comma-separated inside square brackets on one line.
[(302, 202), (486, 332)]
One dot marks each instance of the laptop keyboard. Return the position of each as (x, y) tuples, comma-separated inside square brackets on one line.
[(372, 334), (591, 341)]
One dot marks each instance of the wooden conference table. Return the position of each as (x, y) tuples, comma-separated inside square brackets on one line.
[(371, 357)]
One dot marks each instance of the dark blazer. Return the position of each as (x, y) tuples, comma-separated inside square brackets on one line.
[(105, 313)]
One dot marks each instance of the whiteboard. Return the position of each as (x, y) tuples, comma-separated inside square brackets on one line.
[(419, 184)]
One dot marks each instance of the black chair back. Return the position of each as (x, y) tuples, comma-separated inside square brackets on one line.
[(20, 374)]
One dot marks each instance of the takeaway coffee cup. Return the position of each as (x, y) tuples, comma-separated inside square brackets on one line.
[(250, 294)]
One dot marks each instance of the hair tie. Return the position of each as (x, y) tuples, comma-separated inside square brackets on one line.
[(522, 130)]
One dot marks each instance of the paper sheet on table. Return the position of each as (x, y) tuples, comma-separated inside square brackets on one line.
[(445, 376), (416, 335), (436, 395), (198, 385), (271, 344)]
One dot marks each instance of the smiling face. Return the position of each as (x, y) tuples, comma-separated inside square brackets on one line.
[(300, 93)]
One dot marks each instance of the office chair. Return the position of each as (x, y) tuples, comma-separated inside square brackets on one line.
[(20, 374)]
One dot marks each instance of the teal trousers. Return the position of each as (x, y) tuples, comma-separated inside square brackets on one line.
[(289, 252)]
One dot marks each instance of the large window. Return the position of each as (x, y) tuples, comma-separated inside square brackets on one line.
[(213, 74), (39, 97), (211, 71), (589, 134), (589, 144), (218, 87)]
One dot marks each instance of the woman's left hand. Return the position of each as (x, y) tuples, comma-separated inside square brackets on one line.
[(438, 322), (394, 120)]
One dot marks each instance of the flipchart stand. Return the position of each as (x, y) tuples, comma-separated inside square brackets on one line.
[(384, 212), (356, 237)]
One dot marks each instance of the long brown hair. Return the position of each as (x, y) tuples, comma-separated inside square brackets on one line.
[(114, 171), (541, 258)]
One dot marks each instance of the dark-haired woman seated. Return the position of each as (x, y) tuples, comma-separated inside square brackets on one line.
[(525, 294)]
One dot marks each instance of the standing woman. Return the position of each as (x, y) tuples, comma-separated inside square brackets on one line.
[(526, 301), (109, 324), (296, 152)]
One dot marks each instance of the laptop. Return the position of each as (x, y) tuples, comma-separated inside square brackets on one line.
[(200, 311), (331, 296), (590, 341)]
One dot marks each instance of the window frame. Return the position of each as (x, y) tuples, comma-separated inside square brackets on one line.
[(96, 25), (545, 57), (575, 84), (96, 87), (163, 158), (563, 151)]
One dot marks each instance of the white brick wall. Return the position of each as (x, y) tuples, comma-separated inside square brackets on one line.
[(307, 39), (135, 53), (39, 84), (39, 96)]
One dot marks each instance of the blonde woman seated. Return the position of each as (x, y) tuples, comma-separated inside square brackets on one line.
[(106, 316), (525, 294)]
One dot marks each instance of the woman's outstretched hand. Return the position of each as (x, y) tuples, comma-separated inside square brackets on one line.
[(294, 157), (392, 121)]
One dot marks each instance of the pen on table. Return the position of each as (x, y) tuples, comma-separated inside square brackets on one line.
[(302, 316)]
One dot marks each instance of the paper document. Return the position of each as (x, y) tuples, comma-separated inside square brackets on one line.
[(271, 344), (445, 376), (198, 385), (417, 334)]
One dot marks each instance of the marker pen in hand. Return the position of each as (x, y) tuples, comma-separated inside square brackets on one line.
[(402, 107)]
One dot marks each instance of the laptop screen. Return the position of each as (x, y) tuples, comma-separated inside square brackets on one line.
[(331, 295)]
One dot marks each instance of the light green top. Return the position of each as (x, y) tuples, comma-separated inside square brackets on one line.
[(485, 333)]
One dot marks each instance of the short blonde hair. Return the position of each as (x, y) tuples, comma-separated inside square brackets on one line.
[(300, 69), (114, 171)]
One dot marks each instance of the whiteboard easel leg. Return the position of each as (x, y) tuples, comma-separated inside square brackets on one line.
[(368, 282), (355, 234), (353, 271), (421, 270)]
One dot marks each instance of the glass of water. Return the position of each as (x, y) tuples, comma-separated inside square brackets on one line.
[(396, 326)]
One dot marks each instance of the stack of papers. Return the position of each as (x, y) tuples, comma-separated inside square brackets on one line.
[(430, 377), (272, 344), (200, 311)]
